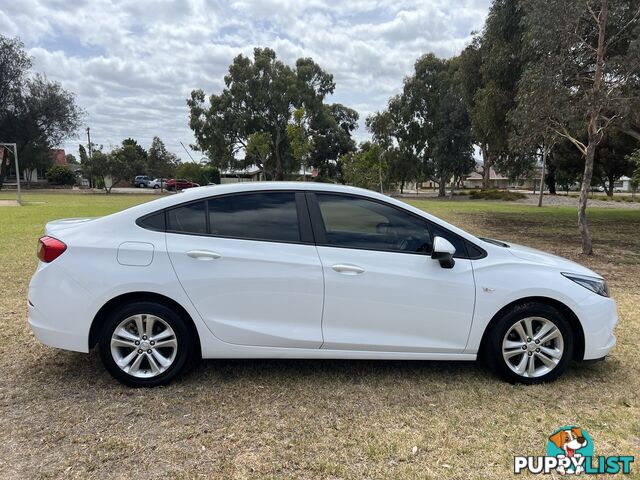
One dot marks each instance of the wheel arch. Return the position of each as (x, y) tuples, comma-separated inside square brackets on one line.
[(572, 318), (98, 320)]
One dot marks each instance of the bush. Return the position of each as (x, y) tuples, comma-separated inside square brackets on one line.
[(504, 195), (61, 175)]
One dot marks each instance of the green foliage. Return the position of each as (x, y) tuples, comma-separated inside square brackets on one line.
[(504, 195), (425, 131), (71, 159), (253, 112), (364, 168), (36, 113), (634, 158), (61, 175), (488, 74), (160, 163), (199, 173)]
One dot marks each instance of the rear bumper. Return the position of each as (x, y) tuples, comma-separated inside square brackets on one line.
[(59, 309), (45, 331)]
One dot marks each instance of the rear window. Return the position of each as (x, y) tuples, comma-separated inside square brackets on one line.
[(187, 218), (155, 221), (258, 216)]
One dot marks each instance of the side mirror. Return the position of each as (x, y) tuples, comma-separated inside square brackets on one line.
[(443, 252)]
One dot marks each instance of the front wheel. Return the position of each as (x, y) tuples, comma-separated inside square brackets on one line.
[(531, 343), (145, 344)]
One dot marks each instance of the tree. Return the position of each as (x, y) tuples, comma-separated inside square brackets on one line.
[(612, 160), (585, 77), (634, 158), (61, 175), (106, 168), (199, 173), (566, 163), (360, 169), (86, 164), (425, 130), (259, 98), (160, 162), (330, 132), (299, 138), (71, 159), (127, 160), (35, 113), (488, 73)]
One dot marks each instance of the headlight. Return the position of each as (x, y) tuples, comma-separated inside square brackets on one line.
[(595, 284)]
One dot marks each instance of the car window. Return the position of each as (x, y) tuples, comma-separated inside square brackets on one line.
[(261, 216), (187, 218), (356, 222)]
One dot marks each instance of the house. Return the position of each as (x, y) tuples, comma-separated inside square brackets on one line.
[(37, 175), (496, 180), (253, 173)]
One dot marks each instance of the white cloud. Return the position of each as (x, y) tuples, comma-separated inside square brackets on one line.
[(132, 65)]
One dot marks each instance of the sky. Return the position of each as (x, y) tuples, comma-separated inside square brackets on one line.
[(133, 63)]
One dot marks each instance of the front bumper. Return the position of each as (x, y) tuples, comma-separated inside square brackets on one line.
[(598, 318)]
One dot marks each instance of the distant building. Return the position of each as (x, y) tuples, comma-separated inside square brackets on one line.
[(37, 175)]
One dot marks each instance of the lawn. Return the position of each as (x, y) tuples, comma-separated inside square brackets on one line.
[(62, 415)]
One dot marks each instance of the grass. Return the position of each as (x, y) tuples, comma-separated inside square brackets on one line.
[(61, 414)]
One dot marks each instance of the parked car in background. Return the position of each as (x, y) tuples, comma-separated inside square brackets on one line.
[(174, 185), (307, 270), (158, 183), (141, 181)]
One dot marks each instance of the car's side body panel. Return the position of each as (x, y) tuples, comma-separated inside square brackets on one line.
[(67, 293)]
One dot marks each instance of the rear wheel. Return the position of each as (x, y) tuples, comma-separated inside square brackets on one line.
[(531, 343), (145, 344)]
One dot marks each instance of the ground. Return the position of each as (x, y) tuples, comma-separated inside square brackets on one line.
[(62, 415)]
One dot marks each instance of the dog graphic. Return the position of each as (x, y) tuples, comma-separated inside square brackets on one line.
[(569, 440)]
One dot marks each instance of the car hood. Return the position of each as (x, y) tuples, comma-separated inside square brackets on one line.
[(547, 259)]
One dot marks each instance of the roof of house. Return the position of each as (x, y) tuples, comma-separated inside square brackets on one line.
[(493, 175)]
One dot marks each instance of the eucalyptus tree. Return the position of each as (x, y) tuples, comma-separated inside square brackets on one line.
[(257, 105), (488, 73), (585, 78)]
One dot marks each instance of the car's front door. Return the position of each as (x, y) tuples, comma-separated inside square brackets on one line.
[(382, 290), (248, 264)]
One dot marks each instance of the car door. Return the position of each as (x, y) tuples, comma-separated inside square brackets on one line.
[(248, 263), (382, 289)]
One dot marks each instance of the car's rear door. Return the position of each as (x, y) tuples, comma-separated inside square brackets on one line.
[(248, 263), (382, 290)]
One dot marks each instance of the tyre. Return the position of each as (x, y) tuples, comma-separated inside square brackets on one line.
[(145, 344), (531, 343), (156, 186)]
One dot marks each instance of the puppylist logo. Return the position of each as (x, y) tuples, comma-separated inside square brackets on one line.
[(570, 451)]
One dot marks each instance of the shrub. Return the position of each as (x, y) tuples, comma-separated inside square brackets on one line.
[(61, 175), (504, 195)]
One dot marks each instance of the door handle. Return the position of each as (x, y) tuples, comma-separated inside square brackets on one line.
[(348, 269), (205, 255)]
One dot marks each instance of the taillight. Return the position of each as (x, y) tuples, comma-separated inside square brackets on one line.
[(50, 248)]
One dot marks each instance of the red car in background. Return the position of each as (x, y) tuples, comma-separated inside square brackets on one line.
[(174, 185)]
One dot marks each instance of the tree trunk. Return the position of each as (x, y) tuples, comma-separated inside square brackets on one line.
[(442, 192), (594, 133), (279, 170), (551, 179), (3, 166), (610, 187), (402, 186), (587, 247), (486, 169), (544, 166)]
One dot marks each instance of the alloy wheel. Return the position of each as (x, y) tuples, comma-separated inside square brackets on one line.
[(144, 345), (533, 347)]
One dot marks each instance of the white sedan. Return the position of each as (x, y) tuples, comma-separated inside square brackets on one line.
[(306, 270)]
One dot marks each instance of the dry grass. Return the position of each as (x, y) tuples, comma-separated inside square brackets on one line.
[(61, 414)]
